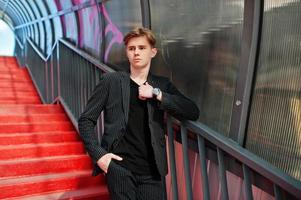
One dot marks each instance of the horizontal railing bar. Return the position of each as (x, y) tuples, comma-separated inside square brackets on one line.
[(45, 58), (88, 57), (254, 162)]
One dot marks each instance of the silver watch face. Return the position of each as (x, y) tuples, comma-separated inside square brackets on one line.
[(156, 91)]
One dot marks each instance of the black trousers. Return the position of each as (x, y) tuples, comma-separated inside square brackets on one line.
[(125, 185)]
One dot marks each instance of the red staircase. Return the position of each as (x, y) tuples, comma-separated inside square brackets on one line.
[(41, 155)]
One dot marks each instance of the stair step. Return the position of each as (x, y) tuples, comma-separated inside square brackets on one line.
[(34, 166), (35, 127), (5, 69), (21, 101), (58, 185), (8, 59), (15, 80), (15, 97), (92, 193), (16, 85), (33, 118), (30, 109), (18, 73), (18, 93), (33, 150), (39, 137), (11, 89), (9, 66)]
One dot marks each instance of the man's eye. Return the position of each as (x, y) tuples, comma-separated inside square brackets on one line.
[(141, 48), (131, 49)]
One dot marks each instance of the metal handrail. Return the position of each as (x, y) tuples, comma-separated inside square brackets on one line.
[(19, 43)]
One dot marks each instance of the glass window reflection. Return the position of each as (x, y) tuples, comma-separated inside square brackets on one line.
[(199, 43)]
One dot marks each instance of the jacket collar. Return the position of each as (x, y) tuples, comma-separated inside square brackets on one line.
[(125, 89)]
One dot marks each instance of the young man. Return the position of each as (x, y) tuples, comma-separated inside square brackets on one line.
[(132, 152)]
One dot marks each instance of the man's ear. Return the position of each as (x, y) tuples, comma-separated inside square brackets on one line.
[(154, 52)]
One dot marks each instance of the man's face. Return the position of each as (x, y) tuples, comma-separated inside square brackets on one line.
[(140, 52)]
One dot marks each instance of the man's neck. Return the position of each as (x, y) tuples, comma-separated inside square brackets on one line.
[(140, 76)]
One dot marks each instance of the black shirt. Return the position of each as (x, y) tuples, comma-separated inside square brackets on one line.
[(135, 147)]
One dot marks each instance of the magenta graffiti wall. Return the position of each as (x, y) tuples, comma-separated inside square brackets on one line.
[(84, 28), (98, 28), (89, 27)]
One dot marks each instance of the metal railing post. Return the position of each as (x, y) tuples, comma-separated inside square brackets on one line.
[(277, 192), (222, 174), (186, 162), (247, 181), (203, 164), (172, 159)]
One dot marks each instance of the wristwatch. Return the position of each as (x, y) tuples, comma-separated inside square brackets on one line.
[(156, 92)]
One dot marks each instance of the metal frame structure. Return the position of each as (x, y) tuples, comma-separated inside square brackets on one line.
[(251, 40)]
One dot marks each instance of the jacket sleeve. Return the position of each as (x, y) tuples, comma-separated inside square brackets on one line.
[(176, 104), (88, 119)]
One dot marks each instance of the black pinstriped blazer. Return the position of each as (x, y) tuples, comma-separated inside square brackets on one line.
[(112, 95)]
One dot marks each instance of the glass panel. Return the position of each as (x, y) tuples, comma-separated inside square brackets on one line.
[(120, 17), (48, 27), (53, 8), (41, 29), (69, 22), (199, 49), (29, 11), (274, 131)]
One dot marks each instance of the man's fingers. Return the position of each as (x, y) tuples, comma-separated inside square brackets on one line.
[(116, 157)]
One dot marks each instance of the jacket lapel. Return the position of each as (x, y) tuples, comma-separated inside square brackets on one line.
[(150, 108), (125, 88)]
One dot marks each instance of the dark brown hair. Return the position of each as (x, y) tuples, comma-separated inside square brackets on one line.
[(138, 32)]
